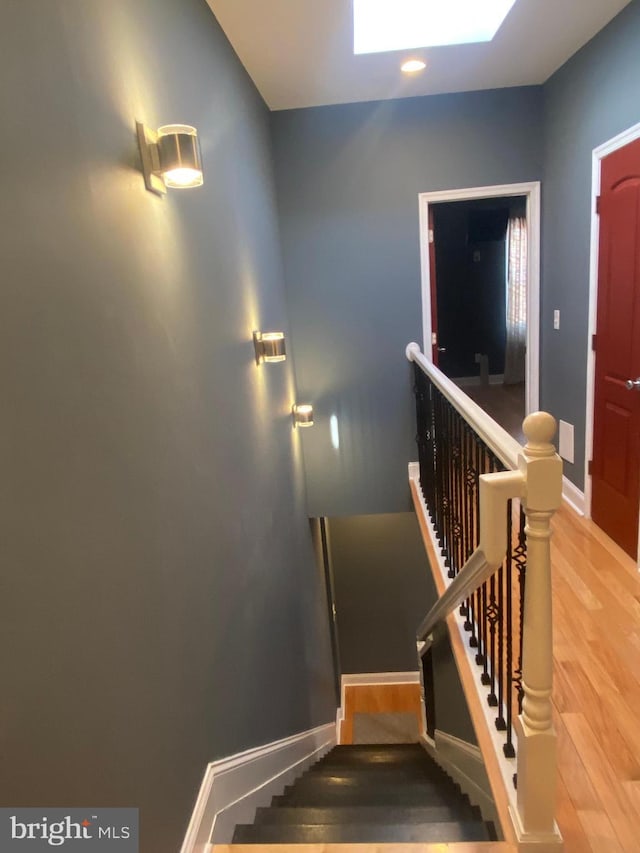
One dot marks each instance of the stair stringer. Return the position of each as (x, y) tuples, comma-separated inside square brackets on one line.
[(464, 763)]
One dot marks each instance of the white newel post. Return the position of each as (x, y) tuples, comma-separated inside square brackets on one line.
[(534, 727)]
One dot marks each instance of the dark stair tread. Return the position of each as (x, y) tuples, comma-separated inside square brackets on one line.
[(383, 777), (387, 779), (377, 757), (375, 767), (363, 833), (392, 786), (365, 814), (378, 747), (373, 796)]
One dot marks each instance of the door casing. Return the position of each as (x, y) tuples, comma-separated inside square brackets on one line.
[(531, 191), (598, 156)]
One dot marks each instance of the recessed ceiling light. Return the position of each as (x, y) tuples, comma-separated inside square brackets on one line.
[(382, 25), (413, 65)]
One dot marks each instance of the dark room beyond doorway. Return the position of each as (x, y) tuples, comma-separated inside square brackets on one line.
[(481, 296)]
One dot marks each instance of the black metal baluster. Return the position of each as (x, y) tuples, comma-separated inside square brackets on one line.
[(508, 748), (492, 620), (520, 558), (440, 471), (457, 491), (449, 494), (465, 607), (481, 657)]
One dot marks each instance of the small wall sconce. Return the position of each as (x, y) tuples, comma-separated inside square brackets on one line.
[(269, 346), (302, 415), (170, 157)]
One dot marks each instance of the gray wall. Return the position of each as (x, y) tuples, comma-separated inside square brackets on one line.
[(588, 101), (161, 606), (348, 180), (383, 590), (451, 709)]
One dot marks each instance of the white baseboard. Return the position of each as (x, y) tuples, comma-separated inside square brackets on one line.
[(463, 762), (234, 787), (361, 678), (355, 678), (573, 496)]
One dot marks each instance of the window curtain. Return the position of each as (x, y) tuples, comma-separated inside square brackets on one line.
[(516, 348)]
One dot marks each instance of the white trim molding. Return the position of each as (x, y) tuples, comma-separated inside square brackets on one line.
[(233, 787), (572, 495), (598, 156), (531, 191)]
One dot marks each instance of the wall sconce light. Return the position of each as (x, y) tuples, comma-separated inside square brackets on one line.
[(269, 346), (302, 415), (170, 157)]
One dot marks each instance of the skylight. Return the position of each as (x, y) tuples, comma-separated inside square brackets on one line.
[(382, 25)]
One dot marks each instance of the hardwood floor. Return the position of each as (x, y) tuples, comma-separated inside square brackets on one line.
[(596, 590), (458, 847), (505, 404)]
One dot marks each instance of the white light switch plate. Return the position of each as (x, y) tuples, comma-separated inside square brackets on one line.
[(556, 319)]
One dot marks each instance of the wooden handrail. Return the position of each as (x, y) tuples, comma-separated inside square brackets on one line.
[(505, 447), (474, 573)]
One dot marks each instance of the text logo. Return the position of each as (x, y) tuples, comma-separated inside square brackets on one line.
[(73, 830)]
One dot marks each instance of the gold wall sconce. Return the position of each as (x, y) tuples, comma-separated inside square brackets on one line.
[(302, 415), (269, 346), (170, 157)]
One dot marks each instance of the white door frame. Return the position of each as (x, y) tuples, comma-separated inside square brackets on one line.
[(532, 193), (598, 156)]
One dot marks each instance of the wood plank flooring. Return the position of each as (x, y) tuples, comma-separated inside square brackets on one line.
[(458, 847), (596, 589), (505, 404)]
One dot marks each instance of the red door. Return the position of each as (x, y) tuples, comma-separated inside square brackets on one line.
[(616, 439)]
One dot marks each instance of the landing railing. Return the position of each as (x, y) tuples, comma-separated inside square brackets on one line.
[(489, 503)]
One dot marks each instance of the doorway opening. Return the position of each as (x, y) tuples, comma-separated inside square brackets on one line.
[(480, 252)]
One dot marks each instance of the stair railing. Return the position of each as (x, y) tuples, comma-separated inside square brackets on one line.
[(488, 504)]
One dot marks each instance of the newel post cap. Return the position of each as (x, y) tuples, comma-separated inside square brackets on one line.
[(539, 429), (542, 463)]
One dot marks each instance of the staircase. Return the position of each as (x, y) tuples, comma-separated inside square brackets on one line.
[(369, 794)]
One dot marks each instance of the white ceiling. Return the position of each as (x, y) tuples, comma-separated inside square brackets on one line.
[(299, 53)]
